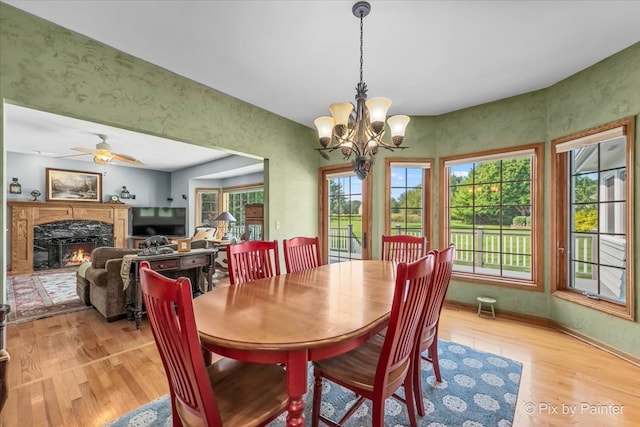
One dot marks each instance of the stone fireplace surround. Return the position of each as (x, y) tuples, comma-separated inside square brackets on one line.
[(68, 243), (26, 216)]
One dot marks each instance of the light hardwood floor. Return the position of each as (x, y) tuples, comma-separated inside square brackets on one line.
[(78, 370)]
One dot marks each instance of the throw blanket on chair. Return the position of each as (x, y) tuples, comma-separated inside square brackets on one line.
[(125, 270)]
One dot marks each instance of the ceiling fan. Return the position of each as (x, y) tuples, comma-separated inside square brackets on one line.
[(103, 154)]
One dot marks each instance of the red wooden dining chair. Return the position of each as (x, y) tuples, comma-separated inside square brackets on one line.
[(428, 338), (379, 367), (301, 253), (227, 393), (403, 248), (252, 260)]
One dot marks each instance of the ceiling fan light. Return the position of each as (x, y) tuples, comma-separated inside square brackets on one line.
[(103, 156), (100, 161)]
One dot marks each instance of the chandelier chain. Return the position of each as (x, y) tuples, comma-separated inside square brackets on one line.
[(361, 45)]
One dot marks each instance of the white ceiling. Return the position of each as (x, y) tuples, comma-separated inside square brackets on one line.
[(37, 132), (294, 58)]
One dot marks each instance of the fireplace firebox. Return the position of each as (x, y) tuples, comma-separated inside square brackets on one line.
[(68, 243)]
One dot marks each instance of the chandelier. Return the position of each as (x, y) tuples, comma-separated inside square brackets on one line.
[(358, 133)]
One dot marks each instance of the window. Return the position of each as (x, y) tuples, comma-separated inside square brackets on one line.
[(593, 214), (407, 204), (207, 205), (234, 200), (345, 232), (492, 213)]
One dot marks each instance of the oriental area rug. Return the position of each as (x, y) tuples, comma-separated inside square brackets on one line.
[(478, 389), (39, 295)]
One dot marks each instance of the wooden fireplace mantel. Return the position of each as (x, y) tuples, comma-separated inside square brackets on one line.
[(24, 215)]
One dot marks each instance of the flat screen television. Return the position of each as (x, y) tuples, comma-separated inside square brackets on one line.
[(154, 221)]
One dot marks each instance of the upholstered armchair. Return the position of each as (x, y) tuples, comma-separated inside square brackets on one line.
[(106, 291)]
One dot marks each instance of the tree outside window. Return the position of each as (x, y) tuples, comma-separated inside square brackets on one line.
[(490, 215)]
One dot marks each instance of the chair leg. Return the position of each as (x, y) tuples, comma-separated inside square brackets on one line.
[(417, 383), (433, 355), (176, 421), (377, 413), (206, 355), (409, 398), (317, 400)]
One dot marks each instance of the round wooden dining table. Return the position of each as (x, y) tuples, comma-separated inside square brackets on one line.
[(298, 317)]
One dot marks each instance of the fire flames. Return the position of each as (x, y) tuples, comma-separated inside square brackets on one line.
[(78, 257)]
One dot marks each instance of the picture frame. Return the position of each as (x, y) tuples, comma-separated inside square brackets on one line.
[(73, 186), (184, 245)]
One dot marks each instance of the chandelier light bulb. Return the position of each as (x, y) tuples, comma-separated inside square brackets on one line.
[(341, 112), (378, 108), (325, 128), (398, 125)]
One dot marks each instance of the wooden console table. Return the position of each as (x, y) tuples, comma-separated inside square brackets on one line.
[(204, 259)]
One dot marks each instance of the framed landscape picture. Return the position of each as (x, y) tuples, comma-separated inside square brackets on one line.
[(73, 186)]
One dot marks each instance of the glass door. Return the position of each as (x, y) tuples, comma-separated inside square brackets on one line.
[(346, 215)]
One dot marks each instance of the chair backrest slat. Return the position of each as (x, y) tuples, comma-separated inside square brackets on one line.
[(409, 298), (301, 253), (252, 260), (443, 266), (403, 248)]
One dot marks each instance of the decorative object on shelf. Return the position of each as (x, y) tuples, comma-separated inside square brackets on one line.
[(125, 194), (225, 218), (35, 194), (114, 199), (359, 133), (15, 187), (73, 186), (184, 245)]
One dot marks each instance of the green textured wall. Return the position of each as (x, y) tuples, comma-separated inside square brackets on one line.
[(46, 67), (509, 122), (608, 91)]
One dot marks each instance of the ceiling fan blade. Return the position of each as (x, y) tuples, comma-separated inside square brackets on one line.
[(84, 150), (126, 159), (71, 155)]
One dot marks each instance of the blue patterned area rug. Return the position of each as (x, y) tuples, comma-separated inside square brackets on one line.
[(478, 389)]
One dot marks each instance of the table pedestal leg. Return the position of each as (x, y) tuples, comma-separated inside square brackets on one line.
[(296, 387)]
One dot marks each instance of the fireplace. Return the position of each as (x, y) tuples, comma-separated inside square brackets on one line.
[(68, 243), (31, 230), (75, 251)]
